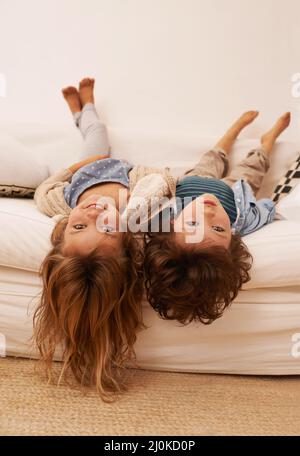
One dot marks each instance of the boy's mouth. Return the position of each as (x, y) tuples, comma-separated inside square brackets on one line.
[(210, 203)]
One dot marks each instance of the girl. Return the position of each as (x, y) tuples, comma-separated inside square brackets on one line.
[(92, 290)]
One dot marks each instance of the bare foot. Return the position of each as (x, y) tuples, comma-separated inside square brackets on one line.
[(71, 96), (269, 138), (243, 121), (86, 91), (232, 133)]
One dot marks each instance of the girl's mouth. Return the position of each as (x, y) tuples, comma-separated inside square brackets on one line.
[(94, 205)]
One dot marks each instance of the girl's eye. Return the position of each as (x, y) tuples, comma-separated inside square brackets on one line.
[(218, 228), (78, 226), (106, 229)]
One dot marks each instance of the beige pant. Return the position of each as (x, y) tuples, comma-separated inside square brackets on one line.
[(215, 164)]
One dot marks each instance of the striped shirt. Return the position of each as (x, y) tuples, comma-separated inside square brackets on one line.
[(193, 186)]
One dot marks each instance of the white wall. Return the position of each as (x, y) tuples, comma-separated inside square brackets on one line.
[(167, 65)]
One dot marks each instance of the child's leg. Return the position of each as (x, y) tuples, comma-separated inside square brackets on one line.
[(93, 131), (252, 169), (71, 95), (257, 163), (269, 138), (232, 133), (86, 119), (215, 162)]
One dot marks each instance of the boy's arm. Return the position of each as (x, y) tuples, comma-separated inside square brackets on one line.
[(260, 213), (253, 214)]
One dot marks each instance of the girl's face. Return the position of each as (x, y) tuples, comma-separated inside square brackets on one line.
[(204, 222), (82, 234)]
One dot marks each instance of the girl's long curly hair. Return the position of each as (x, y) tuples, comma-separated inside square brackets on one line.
[(91, 307)]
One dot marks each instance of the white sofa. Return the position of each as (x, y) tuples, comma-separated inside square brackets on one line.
[(258, 334)]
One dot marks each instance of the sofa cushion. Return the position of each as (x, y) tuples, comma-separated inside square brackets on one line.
[(29, 153), (25, 240), (24, 233), (289, 206)]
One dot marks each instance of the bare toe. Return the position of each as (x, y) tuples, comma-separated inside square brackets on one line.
[(281, 124), (71, 96), (86, 90), (248, 117), (269, 138), (286, 118), (86, 82), (70, 90)]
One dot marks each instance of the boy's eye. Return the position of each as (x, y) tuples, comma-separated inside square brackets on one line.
[(192, 223), (218, 228), (79, 226)]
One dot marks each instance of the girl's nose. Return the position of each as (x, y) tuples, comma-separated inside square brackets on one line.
[(93, 213)]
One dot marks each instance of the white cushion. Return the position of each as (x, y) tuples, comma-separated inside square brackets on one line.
[(29, 153), (276, 247), (25, 240), (19, 166), (276, 252), (289, 206), (24, 233)]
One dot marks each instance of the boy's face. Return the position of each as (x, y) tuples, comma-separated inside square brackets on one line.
[(82, 235), (204, 220)]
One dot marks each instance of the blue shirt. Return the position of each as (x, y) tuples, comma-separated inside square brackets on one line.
[(251, 214), (98, 172)]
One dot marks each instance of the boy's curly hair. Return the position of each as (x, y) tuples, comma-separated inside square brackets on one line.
[(193, 284), (91, 306)]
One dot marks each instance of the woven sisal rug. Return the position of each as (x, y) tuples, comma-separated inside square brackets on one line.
[(157, 403)]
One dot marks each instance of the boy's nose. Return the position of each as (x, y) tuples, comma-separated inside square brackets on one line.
[(208, 209)]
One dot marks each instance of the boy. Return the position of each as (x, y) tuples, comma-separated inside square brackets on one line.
[(197, 280)]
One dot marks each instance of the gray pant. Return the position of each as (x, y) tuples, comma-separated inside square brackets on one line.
[(212, 164), (215, 164), (93, 132)]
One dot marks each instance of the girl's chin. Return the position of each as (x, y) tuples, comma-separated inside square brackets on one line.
[(92, 199)]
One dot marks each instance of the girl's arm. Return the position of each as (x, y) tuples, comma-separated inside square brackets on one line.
[(86, 161), (49, 195), (149, 186)]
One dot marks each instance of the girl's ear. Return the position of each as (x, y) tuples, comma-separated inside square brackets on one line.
[(58, 217), (59, 229)]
